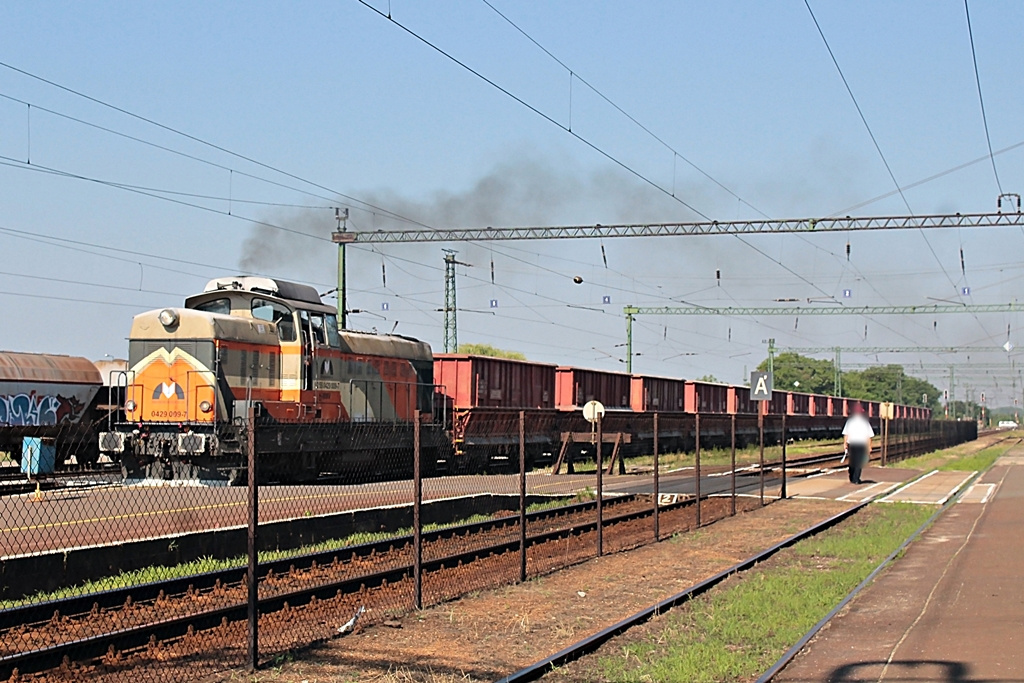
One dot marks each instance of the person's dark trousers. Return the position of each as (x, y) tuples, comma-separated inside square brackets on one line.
[(858, 455)]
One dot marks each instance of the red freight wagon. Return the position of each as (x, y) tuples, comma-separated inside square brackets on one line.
[(654, 394), (705, 397), (799, 404), (485, 381), (740, 403), (819, 405), (779, 404), (575, 386)]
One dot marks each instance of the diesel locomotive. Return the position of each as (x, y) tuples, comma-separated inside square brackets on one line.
[(321, 399)]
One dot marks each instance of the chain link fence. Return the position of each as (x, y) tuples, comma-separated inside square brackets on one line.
[(335, 527)]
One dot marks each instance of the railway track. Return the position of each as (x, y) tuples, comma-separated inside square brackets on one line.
[(292, 582)]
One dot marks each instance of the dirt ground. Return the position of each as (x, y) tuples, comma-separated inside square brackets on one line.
[(488, 634)]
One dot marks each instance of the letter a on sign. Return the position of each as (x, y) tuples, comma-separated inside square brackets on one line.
[(760, 386)]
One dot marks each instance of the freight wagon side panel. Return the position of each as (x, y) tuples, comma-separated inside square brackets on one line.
[(574, 387), (663, 394), (799, 404), (483, 381), (707, 398)]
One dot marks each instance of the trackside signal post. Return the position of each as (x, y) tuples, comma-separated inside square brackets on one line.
[(886, 411), (593, 412), (761, 391)]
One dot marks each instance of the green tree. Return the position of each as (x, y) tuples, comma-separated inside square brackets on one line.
[(890, 383), (488, 350), (709, 378), (883, 383), (814, 376)]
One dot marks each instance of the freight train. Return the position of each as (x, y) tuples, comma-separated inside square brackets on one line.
[(261, 363), (56, 401)]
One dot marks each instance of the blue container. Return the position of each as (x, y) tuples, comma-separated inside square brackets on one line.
[(37, 456)]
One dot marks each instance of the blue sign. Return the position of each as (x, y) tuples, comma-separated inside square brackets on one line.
[(494, 303), (606, 299), (385, 306), (847, 293), (966, 291)]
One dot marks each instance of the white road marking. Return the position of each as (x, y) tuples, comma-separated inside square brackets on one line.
[(888, 499), (988, 494), (957, 487), (847, 498)]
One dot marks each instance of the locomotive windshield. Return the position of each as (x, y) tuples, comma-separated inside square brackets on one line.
[(219, 306)]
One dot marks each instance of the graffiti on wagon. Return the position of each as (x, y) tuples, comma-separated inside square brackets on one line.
[(37, 410)]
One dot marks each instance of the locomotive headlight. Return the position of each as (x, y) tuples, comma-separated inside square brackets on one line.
[(168, 317), (205, 406), (130, 406)]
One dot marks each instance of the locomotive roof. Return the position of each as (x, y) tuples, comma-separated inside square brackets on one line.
[(265, 285), (390, 345), (41, 367), (193, 324)]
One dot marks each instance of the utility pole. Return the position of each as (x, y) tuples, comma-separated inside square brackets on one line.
[(451, 325), (341, 237), (838, 369), (771, 356), (952, 392), (629, 342)]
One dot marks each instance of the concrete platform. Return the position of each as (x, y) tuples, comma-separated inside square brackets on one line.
[(934, 488), (952, 609), (835, 484)]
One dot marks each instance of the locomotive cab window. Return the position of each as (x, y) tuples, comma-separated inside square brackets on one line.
[(219, 306), (332, 331), (273, 312), (313, 327), (321, 330)]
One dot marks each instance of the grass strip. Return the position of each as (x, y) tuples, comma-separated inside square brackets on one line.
[(966, 457), (742, 627)]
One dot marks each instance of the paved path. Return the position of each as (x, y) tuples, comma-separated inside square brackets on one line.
[(952, 609)]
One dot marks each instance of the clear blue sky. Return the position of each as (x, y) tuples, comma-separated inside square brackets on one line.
[(339, 96)]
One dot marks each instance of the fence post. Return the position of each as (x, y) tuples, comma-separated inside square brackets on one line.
[(783, 492), (251, 575), (732, 466), (417, 504), (522, 496), (696, 463), (600, 488), (657, 530)]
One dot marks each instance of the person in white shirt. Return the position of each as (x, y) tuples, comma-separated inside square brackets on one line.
[(857, 435)]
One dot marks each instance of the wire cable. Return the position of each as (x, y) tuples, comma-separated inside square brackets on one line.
[(981, 100)]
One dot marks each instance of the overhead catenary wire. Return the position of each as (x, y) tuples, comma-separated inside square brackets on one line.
[(981, 99), (878, 149)]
